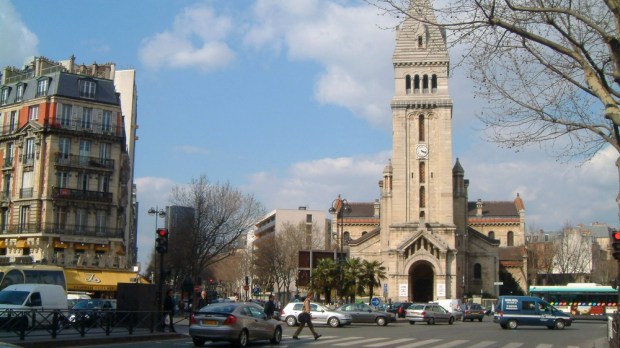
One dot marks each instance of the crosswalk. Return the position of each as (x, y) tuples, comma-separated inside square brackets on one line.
[(387, 342)]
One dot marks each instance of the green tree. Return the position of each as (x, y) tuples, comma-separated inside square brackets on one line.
[(371, 275), (350, 286), (325, 277)]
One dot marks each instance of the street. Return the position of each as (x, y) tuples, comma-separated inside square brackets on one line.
[(486, 334)]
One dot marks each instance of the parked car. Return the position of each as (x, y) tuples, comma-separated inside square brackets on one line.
[(431, 313), (320, 315), (363, 313), (236, 322), (399, 308), (92, 312), (512, 311), (472, 311)]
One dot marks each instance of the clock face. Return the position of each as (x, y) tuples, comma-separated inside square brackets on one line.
[(422, 151)]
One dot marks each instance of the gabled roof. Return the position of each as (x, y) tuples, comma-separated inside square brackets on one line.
[(493, 209), (361, 209), (375, 232)]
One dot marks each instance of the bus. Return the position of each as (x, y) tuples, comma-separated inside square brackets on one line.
[(32, 274), (581, 300)]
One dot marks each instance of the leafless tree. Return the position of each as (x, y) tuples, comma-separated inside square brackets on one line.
[(221, 214), (550, 70), (572, 253)]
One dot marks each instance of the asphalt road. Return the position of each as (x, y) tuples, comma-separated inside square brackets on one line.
[(486, 334)]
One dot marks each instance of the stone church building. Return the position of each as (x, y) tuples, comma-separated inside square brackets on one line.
[(433, 242)]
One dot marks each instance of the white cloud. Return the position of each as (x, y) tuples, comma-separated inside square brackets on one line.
[(196, 40), (17, 40), (346, 41)]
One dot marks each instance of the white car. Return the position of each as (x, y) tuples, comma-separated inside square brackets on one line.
[(320, 315)]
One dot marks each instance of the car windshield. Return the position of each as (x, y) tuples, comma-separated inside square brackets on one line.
[(13, 297), (321, 308), (219, 308), (417, 307), (88, 304)]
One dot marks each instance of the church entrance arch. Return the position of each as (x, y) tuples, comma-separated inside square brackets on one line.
[(421, 281)]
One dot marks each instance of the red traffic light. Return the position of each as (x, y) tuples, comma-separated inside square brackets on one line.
[(162, 232), (616, 235)]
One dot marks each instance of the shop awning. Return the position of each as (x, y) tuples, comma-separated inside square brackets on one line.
[(120, 250), (2, 244), (82, 280), (60, 244), (81, 246), (22, 244), (102, 247)]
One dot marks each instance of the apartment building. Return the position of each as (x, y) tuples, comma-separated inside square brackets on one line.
[(67, 189)]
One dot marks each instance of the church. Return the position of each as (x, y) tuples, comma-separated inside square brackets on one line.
[(433, 242)]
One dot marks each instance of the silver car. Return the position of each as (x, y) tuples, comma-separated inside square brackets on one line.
[(431, 313), (235, 322), (363, 313), (319, 313)]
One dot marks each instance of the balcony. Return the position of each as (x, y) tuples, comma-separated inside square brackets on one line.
[(89, 127), (84, 161), (27, 159), (26, 192), (8, 163), (63, 229), (81, 195)]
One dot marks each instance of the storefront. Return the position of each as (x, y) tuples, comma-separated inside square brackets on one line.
[(102, 283)]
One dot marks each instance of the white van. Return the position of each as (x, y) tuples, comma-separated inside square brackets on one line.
[(24, 298)]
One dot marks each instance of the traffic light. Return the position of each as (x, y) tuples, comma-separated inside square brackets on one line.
[(161, 242), (615, 244)]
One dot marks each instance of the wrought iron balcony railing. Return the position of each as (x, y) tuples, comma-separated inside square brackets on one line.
[(63, 229), (82, 195), (84, 161)]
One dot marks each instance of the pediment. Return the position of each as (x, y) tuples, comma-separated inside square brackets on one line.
[(423, 242)]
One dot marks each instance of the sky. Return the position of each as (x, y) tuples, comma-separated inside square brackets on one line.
[(288, 101)]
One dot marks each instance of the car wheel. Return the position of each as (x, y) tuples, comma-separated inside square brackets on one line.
[(479, 319), (291, 321), (277, 336), (431, 321), (471, 319), (198, 342), (451, 320), (381, 321), (504, 326), (411, 322), (242, 340), (512, 324), (559, 325), (333, 322)]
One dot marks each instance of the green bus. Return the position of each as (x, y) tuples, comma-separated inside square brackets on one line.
[(580, 300)]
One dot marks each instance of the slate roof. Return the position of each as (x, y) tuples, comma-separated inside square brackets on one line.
[(361, 209), (493, 209)]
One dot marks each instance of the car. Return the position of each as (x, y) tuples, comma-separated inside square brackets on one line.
[(363, 313), (431, 313), (472, 311), (399, 308), (235, 322), (512, 311), (320, 315), (91, 312)]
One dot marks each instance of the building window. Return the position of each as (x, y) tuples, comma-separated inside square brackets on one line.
[(309, 218), (87, 89), (422, 197), (64, 148), (4, 96), (6, 187), (83, 182), (420, 42), (492, 235), (24, 216), (421, 130), (61, 217), (62, 179), (408, 84), (106, 121), (27, 185), (511, 238), (104, 152), (425, 84), (434, 84), (477, 271), (29, 153), (80, 219), (65, 114), (87, 114), (422, 167), (42, 85), (5, 220), (416, 84), (14, 120), (33, 112), (20, 92), (346, 238), (84, 151), (104, 183), (8, 159), (101, 222)]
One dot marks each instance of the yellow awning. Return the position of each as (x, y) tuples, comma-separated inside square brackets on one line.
[(22, 244), (82, 280), (120, 250), (102, 247), (2, 244), (81, 246), (60, 244)]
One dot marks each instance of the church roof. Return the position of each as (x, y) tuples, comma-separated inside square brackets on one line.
[(361, 210), (514, 253), (473, 232), (366, 236), (493, 209)]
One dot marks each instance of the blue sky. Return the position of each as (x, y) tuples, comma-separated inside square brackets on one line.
[(286, 100)]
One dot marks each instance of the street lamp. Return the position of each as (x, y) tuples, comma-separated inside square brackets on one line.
[(340, 207), (162, 214)]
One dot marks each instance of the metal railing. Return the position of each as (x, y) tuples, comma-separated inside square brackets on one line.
[(84, 161), (82, 195), (63, 229)]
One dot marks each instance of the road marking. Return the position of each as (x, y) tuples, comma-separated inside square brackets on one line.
[(544, 345), (323, 341), (482, 344), (390, 342), (360, 341), (452, 344), (513, 345), (421, 343)]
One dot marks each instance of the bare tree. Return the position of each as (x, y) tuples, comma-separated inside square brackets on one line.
[(221, 214), (572, 254), (549, 69)]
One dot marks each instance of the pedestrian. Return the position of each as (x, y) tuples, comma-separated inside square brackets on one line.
[(169, 311), (306, 318), (202, 301), (270, 307)]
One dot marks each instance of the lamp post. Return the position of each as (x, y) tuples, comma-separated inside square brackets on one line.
[(340, 207), (162, 214)]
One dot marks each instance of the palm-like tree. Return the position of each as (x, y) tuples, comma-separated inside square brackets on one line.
[(325, 277), (371, 275), (350, 275)]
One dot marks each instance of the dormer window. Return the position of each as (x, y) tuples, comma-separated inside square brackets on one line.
[(20, 92), (42, 86), (87, 89), (4, 95)]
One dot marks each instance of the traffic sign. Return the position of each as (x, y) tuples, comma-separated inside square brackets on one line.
[(375, 301), (498, 283), (256, 291)]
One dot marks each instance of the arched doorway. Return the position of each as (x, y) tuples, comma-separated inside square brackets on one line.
[(421, 281)]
